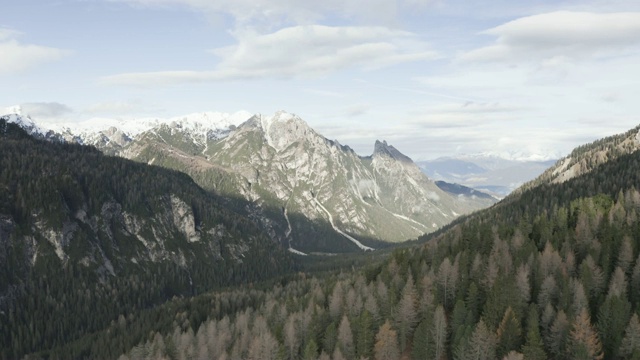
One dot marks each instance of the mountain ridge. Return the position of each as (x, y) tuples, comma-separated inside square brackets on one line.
[(280, 162)]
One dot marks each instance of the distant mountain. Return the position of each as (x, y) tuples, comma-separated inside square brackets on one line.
[(307, 192), (460, 190), (486, 172), (78, 227)]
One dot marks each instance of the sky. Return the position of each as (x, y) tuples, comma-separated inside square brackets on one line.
[(431, 77)]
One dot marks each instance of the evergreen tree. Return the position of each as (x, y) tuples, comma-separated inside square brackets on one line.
[(630, 345), (533, 349), (508, 333)]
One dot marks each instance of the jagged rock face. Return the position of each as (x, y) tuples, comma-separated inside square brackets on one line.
[(383, 197), (152, 239)]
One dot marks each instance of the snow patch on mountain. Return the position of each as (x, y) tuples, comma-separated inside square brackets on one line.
[(211, 125), (15, 115), (216, 122)]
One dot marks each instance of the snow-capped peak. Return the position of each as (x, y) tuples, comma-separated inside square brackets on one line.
[(14, 115), (199, 126), (279, 117), (196, 122)]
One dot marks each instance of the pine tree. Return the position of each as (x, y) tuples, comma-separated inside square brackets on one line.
[(420, 349), (310, 350), (557, 336), (630, 345), (613, 316), (508, 333), (365, 336), (533, 348)]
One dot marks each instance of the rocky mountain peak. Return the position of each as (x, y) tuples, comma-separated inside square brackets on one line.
[(282, 129), (382, 149)]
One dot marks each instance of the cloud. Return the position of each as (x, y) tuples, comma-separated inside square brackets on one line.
[(17, 57), (111, 107), (561, 35), (276, 13), (294, 52), (357, 109), (45, 109)]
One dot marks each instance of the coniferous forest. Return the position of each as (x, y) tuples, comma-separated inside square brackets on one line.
[(552, 272)]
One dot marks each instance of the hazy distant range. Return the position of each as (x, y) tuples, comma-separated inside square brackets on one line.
[(488, 173)]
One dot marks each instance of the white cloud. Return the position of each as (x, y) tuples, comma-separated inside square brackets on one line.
[(561, 35), (276, 13), (6, 34), (294, 52), (123, 107), (17, 57), (45, 109), (357, 109)]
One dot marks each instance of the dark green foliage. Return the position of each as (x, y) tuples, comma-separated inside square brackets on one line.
[(533, 348), (48, 299)]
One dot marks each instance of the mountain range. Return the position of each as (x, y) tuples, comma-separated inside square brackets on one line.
[(307, 192)]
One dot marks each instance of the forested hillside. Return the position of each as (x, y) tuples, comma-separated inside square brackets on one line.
[(86, 239), (553, 273), (585, 158)]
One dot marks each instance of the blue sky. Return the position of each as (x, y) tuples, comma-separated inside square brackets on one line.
[(432, 77)]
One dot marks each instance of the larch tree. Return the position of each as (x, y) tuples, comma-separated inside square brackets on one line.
[(625, 255), (482, 345), (345, 338), (439, 332), (291, 338), (386, 347), (426, 296), (617, 284), (584, 342), (406, 313), (447, 281), (336, 301)]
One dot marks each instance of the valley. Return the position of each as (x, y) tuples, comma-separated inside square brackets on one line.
[(197, 259)]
